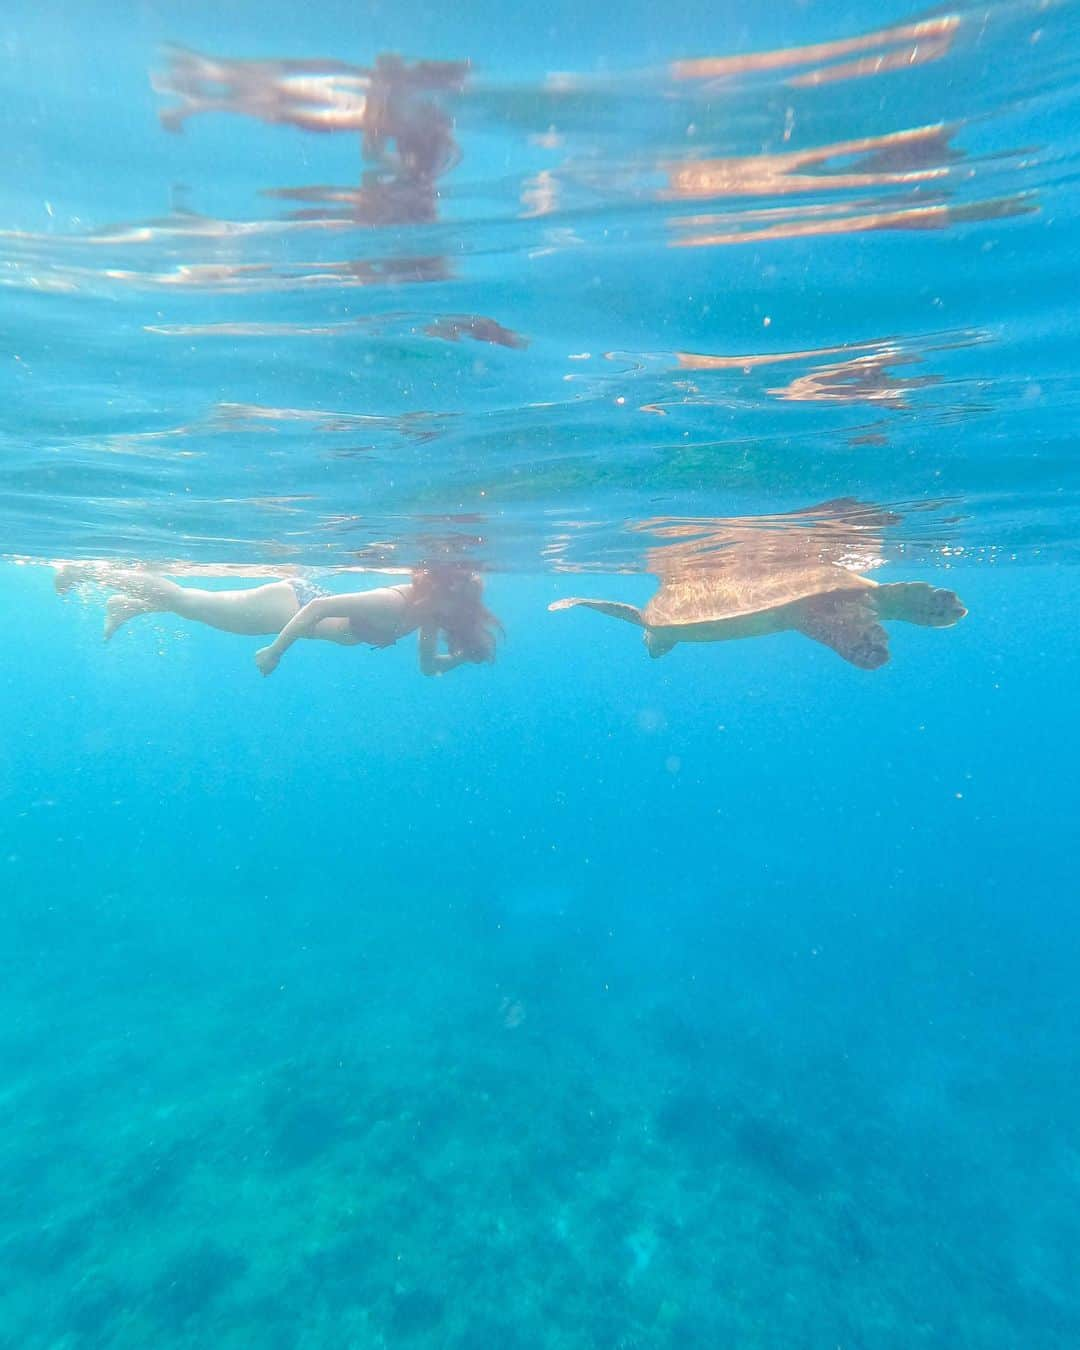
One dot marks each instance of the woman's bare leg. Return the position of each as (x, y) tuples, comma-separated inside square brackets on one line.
[(252, 613)]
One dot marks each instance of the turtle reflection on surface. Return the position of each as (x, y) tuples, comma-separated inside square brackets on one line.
[(750, 576)]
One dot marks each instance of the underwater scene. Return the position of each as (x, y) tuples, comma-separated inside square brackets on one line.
[(538, 746)]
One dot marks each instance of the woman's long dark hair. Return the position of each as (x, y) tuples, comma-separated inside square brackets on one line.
[(454, 595)]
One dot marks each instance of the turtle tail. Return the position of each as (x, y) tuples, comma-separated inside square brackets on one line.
[(617, 610)]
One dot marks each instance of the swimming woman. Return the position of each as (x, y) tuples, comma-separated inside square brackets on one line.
[(440, 602)]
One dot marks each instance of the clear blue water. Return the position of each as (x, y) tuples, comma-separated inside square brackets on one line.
[(581, 1001)]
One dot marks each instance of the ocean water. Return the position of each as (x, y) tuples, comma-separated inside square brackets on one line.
[(582, 1000)]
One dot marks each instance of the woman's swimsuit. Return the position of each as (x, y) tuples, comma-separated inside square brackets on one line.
[(306, 591), (400, 630)]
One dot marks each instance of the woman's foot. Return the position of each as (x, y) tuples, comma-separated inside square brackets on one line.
[(68, 575), (119, 609)]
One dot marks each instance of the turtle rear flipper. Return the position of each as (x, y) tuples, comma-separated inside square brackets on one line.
[(658, 644), (848, 623), (918, 602), (617, 610)]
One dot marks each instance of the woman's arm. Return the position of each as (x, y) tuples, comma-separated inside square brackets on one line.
[(299, 626), (432, 661), (378, 612)]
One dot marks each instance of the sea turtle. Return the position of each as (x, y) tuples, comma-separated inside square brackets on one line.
[(748, 576)]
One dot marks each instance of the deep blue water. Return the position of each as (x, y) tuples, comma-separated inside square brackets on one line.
[(580, 1001)]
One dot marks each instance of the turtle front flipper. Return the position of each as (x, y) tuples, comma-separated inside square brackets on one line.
[(848, 623), (918, 602), (617, 610)]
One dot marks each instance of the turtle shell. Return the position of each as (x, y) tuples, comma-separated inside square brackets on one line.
[(708, 596), (738, 567)]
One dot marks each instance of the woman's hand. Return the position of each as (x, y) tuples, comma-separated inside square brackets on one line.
[(433, 661), (266, 658)]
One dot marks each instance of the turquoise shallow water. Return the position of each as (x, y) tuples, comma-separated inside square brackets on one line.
[(579, 1001)]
